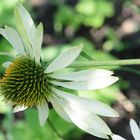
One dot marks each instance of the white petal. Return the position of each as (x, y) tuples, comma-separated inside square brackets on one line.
[(59, 109), (64, 59), (88, 104), (87, 121), (117, 137), (25, 27), (92, 84), (19, 108), (7, 54), (135, 129), (13, 38), (6, 64), (37, 42), (83, 75), (43, 113), (26, 21)]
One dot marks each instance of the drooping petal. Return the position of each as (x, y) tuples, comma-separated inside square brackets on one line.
[(135, 129), (25, 27), (64, 59), (82, 75), (13, 38), (19, 108), (6, 64), (59, 109), (87, 104), (87, 121), (117, 137), (43, 113), (92, 84)]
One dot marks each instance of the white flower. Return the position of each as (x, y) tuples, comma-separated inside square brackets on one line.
[(134, 129), (30, 81)]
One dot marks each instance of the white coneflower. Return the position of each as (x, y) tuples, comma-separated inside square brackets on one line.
[(29, 81)]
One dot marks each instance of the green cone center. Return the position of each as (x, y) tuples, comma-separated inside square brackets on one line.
[(25, 83)]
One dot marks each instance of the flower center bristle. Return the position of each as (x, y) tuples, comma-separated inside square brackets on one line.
[(25, 83)]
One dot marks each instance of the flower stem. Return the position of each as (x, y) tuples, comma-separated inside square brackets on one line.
[(55, 130), (90, 64)]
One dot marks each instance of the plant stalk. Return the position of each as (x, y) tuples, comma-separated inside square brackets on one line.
[(89, 64), (55, 130)]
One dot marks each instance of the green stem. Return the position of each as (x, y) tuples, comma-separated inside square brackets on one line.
[(80, 64), (55, 130)]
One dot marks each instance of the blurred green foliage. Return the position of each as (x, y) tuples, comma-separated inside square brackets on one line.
[(29, 128), (6, 11), (91, 13), (113, 42)]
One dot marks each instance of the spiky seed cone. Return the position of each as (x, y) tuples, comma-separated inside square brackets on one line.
[(24, 83)]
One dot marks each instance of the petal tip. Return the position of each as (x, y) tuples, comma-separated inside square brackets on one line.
[(116, 114), (43, 113), (80, 46), (114, 79), (18, 109)]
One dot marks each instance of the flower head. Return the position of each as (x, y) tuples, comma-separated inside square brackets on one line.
[(25, 83), (30, 81)]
